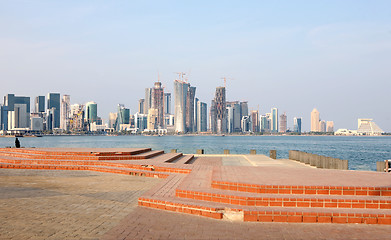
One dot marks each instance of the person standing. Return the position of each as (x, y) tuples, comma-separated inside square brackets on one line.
[(17, 143)]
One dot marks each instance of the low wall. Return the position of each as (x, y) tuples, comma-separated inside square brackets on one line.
[(318, 161)]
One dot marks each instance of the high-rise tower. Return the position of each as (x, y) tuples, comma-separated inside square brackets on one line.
[(157, 98), (315, 127), (54, 107), (274, 120)]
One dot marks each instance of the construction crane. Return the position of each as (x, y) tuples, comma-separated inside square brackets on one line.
[(225, 80), (180, 76)]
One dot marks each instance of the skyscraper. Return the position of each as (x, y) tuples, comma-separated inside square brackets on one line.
[(184, 106), (40, 104), (190, 109), (112, 119), (167, 103), (141, 103), (212, 117), (158, 103), (123, 116), (315, 121), (329, 126), (255, 121), (195, 123), (54, 105), (19, 117), (265, 126), (202, 122), (297, 124), (220, 110), (283, 123), (91, 112), (148, 100), (243, 109), (236, 115), (65, 113), (274, 120), (322, 126)]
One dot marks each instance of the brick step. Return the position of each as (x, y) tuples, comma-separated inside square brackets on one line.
[(287, 200), (140, 166), (166, 157), (148, 155), (269, 214), (320, 190), (118, 156), (77, 152), (135, 172), (135, 155), (186, 159)]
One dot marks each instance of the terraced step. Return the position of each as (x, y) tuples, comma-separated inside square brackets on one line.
[(287, 200), (148, 155), (185, 159), (166, 157), (320, 190), (127, 171)]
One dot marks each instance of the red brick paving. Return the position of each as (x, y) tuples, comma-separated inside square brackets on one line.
[(206, 188)]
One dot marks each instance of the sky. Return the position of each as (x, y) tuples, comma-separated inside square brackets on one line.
[(294, 55)]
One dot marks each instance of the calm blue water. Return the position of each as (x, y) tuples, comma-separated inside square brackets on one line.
[(362, 152)]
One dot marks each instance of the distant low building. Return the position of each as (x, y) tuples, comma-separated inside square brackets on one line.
[(367, 127), (346, 132)]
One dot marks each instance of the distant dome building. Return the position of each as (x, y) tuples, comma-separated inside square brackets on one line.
[(367, 127)]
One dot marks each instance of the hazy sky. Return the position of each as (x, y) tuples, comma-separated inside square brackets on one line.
[(293, 55)]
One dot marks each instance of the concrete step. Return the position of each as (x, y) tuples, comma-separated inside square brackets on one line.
[(185, 159), (147, 155), (166, 157)]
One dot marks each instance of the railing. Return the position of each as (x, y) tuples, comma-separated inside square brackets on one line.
[(319, 161)]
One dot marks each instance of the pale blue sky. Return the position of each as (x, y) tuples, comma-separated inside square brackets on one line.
[(293, 55)]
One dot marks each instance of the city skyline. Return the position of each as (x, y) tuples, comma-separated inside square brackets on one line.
[(270, 54)]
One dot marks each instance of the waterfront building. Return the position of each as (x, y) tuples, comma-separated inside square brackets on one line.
[(315, 127), (40, 104), (219, 117), (367, 127), (329, 126), (234, 119), (195, 123), (265, 123), (212, 117), (36, 124), (157, 98), (141, 103), (202, 118), (147, 100), (297, 124), (274, 120), (140, 122), (190, 110), (255, 121), (184, 106), (283, 123), (246, 124), (322, 126), (243, 109), (91, 114), (65, 112), (53, 104), (167, 103), (113, 119), (19, 117), (77, 118), (123, 116), (153, 116), (230, 119)]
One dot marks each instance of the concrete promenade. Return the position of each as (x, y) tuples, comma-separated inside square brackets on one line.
[(184, 196), (47, 204)]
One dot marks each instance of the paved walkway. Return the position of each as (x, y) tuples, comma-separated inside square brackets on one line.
[(51, 204)]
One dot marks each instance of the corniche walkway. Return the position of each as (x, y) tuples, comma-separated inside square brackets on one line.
[(176, 196)]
